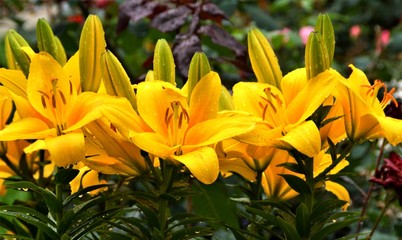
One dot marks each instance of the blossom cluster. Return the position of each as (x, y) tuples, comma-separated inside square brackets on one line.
[(84, 113)]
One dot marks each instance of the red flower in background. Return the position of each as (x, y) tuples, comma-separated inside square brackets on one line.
[(390, 174)]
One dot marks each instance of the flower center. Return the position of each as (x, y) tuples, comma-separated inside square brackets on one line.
[(54, 101), (273, 109), (176, 120), (371, 94)]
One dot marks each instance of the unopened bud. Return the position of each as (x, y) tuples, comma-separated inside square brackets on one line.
[(164, 67)]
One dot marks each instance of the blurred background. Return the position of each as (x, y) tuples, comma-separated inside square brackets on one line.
[(368, 35)]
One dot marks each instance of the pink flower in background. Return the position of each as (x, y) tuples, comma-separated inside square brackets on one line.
[(385, 36), (355, 31), (304, 32)]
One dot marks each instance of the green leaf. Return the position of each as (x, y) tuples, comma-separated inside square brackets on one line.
[(184, 219), (288, 229), (151, 216), (303, 221), (322, 210), (83, 191), (297, 184), (214, 202), (50, 199), (72, 214), (191, 233), (267, 216), (33, 217), (349, 219)]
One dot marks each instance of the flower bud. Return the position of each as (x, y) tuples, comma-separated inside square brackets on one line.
[(48, 42), (199, 67), (325, 28), (115, 78), (92, 46), (15, 56), (263, 59), (225, 100), (316, 55), (164, 67)]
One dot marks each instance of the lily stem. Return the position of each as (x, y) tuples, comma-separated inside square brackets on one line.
[(371, 189)]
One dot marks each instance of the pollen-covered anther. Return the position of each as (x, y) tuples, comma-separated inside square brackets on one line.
[(387, 96)]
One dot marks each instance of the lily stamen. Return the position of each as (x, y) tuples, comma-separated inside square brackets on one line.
[(372, 92)]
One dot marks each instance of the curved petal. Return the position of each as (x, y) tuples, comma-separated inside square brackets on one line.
[(339, 191), (305, 138), (27, 128), (218, 129), (202, 163), (292, 83), (72, 67), (312, 96), (247, 97), (154, 99), (205, 98), (236, 165), (392, 129), (46, 80), (14, 80), (152, 143), (66, 149)]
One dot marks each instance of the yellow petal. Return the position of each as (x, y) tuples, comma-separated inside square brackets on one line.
[(293, 83), (339, 191), (247, 95), (152, 143), (14, 80), (218, 129), (392, 129), (45, 76), (153, 100), (205, 98), (312, 96), (72, 67), (27, 128), (305, 138), (202, 163), (238, 166), (66, 149)]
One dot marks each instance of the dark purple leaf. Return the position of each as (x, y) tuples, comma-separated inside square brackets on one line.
[(171, 19), (135, 10), (222, 38), (212, 12), (183, 51)]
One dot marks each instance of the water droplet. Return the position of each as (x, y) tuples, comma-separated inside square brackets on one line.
[(25, 189), (80, 196)]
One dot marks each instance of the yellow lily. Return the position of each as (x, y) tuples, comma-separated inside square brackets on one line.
[(274, 185), (86, 178), (364, 113), (54, 110), (283, 114), (184, 131)]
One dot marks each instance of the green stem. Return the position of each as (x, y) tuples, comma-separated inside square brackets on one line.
[(388, 203), (257, 187), (59, 196), (371, 189), (309, 174), (168, 175)]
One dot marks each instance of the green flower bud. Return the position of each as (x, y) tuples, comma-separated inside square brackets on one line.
[(199, 67), (316, 55), (115, 78), (15, 56), (92, 46), (263, 59), (47, 41), (164, 67), (325, 28)]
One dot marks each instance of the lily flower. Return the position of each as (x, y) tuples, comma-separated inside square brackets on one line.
[(182, 131), (283, 114), (364, 112), (54, 110)]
